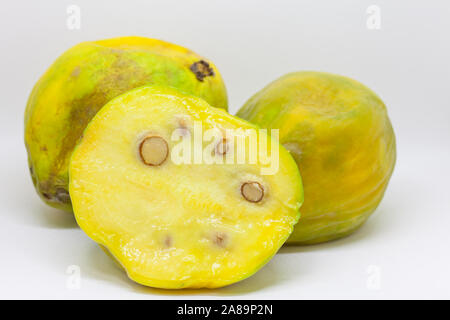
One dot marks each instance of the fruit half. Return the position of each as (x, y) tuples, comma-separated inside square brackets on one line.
[(176, 218)]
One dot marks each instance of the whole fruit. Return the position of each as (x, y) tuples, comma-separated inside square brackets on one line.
[(339, 133), (85, 78), (180, 224)]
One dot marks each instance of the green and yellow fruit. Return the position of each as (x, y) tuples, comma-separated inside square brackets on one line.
[(85, 78), (339, 133), (174, 224)]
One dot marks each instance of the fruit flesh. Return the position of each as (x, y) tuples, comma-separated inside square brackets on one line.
[(85, 78), (339, 133), (177, 225)]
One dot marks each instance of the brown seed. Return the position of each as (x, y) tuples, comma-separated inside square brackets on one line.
[(154, 150), (252, 191), (222, 147)]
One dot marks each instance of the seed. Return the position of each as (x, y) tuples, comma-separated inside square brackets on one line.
[(252, 191), (222, 147), (154, 150), (220, 239)]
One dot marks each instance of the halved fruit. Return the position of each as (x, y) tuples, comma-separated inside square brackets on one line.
[(177, 216)]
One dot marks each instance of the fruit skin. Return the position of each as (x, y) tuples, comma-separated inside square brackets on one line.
[(339, 133), (120, 202), (86, 77)]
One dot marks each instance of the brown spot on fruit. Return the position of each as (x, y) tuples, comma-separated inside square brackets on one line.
[(222, 147), (183, 129), (201, 69), (46, 196), (62, 195), (184, 132), (153, 150), (76, 71), (168, 241), (33, 177), (123, 75), (220, 239), (252, 191)]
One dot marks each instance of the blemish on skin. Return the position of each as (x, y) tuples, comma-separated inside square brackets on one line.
[(76, 71), (201, 69), (62, 195), (46, 196), (111, 83), (123, 75), (33, 177)]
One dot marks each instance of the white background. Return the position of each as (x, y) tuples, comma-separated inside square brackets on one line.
[(402, 251)]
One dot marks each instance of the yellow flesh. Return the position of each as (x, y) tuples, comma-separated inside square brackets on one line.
[(177, 226), (339, 133)]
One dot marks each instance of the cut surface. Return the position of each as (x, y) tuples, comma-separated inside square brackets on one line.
[(178, 225)]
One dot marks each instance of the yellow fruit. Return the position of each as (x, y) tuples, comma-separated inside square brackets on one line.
[(179, 224), (85, 78), (339, 133)]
